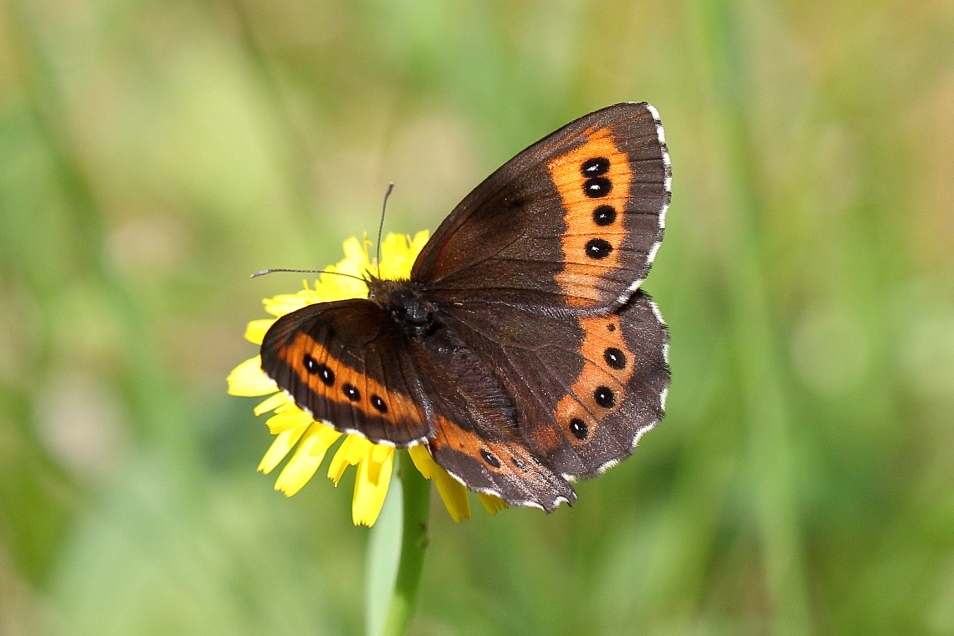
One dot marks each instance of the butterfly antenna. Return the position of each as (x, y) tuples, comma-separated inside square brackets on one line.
[(377, 248), (305, 271)]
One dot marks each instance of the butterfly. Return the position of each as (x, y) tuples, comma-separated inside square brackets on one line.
[(521, 350)]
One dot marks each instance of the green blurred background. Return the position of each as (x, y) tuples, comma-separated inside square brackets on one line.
[(153, 154)]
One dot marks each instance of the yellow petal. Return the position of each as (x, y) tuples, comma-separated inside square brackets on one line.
[(279, 448), (380, 452), (355, 263), (371, 486), (271, 403), (351, 451), (422, 460), (256, 329), (492, 503), (248, 379), (419, 241), (355, 253), (285, 303), (395, 256), (398, 252), (453, 494), (332, 288), (326, 437), (303, 464), (375, 459), (287, 420)]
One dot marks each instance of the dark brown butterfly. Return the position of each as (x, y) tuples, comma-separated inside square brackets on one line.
[(521, 350)]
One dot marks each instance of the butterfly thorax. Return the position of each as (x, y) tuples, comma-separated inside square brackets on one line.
[(403, 302)]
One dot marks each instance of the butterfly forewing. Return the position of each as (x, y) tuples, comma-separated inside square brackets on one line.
[(346, 363), (572, 221)]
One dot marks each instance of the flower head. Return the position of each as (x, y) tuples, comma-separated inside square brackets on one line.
[(308, 440)]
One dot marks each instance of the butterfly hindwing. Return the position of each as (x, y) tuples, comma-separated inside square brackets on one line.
[(475, 427), (498, 466), (346, 363), (572, 221), (585, 387), (618, 393)]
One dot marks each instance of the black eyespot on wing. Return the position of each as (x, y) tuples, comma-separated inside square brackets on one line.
[(379, 404), (595, 167), (604, 215), (578, 428), (489, 458), (604, 397), (598, 248), (615, 358), (597, 187), (351, 392)]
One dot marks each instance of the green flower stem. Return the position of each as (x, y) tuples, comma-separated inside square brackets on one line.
[(414, 539)]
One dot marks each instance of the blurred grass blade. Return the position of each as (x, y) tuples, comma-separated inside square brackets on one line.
[(755, 344)]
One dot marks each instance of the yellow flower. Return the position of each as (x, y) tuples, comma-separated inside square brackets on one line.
[(310, 440)]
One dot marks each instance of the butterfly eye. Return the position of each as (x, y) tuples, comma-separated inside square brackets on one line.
[(615, 358), (578, 428)]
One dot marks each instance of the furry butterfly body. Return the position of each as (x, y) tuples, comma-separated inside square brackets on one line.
[(521, 349)]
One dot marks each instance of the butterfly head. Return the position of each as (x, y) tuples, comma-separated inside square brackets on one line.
[(404, 303)]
